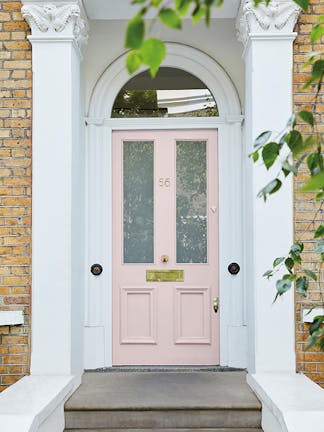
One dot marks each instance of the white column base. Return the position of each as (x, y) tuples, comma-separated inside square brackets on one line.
[(36, 403), (290, 402)]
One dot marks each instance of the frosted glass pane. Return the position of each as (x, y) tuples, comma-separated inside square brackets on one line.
[(138, 201), (191, 202)]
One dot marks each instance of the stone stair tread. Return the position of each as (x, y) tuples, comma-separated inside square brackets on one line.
[(163, 391), (163, 419), (168, 430), (163, 402)]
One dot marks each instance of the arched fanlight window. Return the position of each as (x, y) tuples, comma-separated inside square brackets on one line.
[(172, 93)]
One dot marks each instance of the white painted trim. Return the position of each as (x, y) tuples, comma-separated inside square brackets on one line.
[(310, 314), (181, 56), (36, 403), (268, 230), (290, 402), (98, 324), (11, 318), (267, 37), (163, 123), (58, 182)]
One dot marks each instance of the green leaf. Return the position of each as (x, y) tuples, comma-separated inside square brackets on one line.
[(152, 53), (268, 274), (316, 324), (316, 338), (311, 342), (269, 153), (278, 261), (319, 232), (182, 6), (318, 69), (301, 159), (286, 167), (289, 263), (319, 196), (138, 1), (307, 116), (170, 18), (315, 163), (320, 247), (283, 286), (135, 32), (255, 156), (309, 82), (270, 188), (311, 274), (156, 3), (303, 4), (309, 142), (295, 251), (198, 13), (133, 61), (302, 285), (291, 277), (316, 33), (294, 140), (297, 248), (291, 122), (314, 183), (262, 138)]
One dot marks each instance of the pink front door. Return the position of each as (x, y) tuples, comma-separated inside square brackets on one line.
[(165, 247)]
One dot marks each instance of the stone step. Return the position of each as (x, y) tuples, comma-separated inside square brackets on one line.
[(163, 419), (167, 430), (163, 402)]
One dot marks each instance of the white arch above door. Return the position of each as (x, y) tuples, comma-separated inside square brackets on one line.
[(178, 56), (98, 308)]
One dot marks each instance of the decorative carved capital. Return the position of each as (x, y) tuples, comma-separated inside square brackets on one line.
[(53, 19), (277, 17)]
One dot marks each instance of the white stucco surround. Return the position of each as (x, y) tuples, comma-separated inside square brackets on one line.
[(62, 270), (98, 331), (69, 177)]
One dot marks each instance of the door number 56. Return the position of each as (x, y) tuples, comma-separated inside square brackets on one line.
[(164, 182)]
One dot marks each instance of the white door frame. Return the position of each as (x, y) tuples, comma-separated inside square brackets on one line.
[(98, 299)]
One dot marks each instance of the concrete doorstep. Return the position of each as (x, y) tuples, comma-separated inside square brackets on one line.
[(163, 401)]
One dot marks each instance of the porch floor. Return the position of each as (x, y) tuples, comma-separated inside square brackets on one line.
[(163, 390)]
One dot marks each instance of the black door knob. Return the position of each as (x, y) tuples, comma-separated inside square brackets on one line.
[(96, 269), (233, 268)]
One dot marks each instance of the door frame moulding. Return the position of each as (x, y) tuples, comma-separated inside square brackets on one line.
[(98, 298)]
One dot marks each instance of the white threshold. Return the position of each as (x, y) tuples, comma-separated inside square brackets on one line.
[(36, 403), (291, 402)]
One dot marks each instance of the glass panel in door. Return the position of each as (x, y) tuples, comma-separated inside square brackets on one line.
[(138, 201), (191, 201)]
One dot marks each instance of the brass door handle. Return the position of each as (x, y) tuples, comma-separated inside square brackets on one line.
[(164, 258), (216, 304)]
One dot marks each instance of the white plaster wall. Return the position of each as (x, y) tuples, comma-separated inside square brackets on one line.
[(219, 41)]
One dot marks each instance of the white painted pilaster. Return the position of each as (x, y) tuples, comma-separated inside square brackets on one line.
[(267, 35), (58, 188)]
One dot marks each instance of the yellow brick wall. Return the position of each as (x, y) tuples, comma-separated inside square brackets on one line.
[(306, 211), (15, 189)]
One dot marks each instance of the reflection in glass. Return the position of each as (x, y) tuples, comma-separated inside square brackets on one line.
[(164, 103), (138, 201), (191, 202)]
